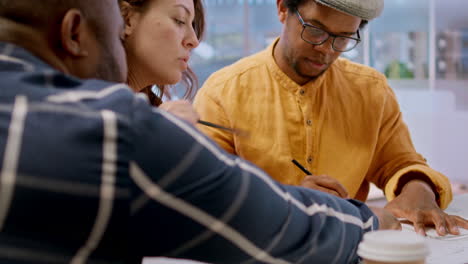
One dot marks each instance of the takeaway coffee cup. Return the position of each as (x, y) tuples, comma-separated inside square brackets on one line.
[(393, 247)]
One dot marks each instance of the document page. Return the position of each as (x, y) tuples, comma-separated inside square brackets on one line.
[(459, 206), (450, 249)]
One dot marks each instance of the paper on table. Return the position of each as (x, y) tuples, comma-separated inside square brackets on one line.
[(459, 206), (450, 249), (432, 233)]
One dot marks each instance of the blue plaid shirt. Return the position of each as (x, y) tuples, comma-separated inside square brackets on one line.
[(92, 173)]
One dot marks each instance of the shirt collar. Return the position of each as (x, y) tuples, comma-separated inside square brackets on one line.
[(16, 57)]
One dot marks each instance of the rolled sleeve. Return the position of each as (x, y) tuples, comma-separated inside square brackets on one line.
[(441, 182)]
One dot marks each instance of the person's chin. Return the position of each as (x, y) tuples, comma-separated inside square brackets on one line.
[(174, 79)]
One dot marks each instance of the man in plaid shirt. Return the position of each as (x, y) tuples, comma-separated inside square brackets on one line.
[(92, 173)]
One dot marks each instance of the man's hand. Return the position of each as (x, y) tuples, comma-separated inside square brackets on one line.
[(417, 203), (182, 109), (326, 184), (386, 219)]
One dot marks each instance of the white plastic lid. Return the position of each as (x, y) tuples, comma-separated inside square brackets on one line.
[(393, 246)]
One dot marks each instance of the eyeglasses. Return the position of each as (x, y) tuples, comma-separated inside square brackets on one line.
[(317, 36)]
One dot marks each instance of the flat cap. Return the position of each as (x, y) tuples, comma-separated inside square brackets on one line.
[(365, 9)]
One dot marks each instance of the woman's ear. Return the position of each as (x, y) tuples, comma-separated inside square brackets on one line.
[(130, 17)]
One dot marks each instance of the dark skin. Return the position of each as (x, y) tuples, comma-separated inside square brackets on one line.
[(417, 202), (303, 63), (67, 40), (31, 40)]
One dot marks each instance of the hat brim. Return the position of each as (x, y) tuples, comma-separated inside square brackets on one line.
[(364, 9)]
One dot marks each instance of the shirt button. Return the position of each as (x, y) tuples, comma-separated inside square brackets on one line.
[(309, 160), (302, 92), (309, 122)]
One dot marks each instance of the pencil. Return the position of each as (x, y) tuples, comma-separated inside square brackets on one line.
[(301, 167), (206, 123), (231, 130)]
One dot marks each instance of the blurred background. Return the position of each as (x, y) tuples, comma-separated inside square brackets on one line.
[(420, 45)]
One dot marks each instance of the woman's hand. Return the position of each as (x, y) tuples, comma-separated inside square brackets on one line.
[(182, 109)]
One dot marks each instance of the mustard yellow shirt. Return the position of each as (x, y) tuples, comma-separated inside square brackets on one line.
[(346, 124)]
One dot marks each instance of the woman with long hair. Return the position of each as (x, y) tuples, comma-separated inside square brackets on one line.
[(158, 38)]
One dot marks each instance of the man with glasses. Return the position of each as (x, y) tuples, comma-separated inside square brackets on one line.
[(339, 119), (317, 36)]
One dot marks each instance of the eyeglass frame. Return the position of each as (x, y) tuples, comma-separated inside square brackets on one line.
[(305, 24)]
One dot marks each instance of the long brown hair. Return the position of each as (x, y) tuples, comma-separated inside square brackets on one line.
[(189, 79)]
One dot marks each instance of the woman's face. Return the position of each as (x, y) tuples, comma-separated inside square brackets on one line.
[(159, 40)]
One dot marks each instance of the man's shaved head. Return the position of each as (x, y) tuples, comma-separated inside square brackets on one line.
[(83, 35), (45, 14)]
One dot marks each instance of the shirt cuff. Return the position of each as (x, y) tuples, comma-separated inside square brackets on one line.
[(440, 181)]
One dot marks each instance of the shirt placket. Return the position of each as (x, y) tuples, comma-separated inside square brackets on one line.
[(307, 117)]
